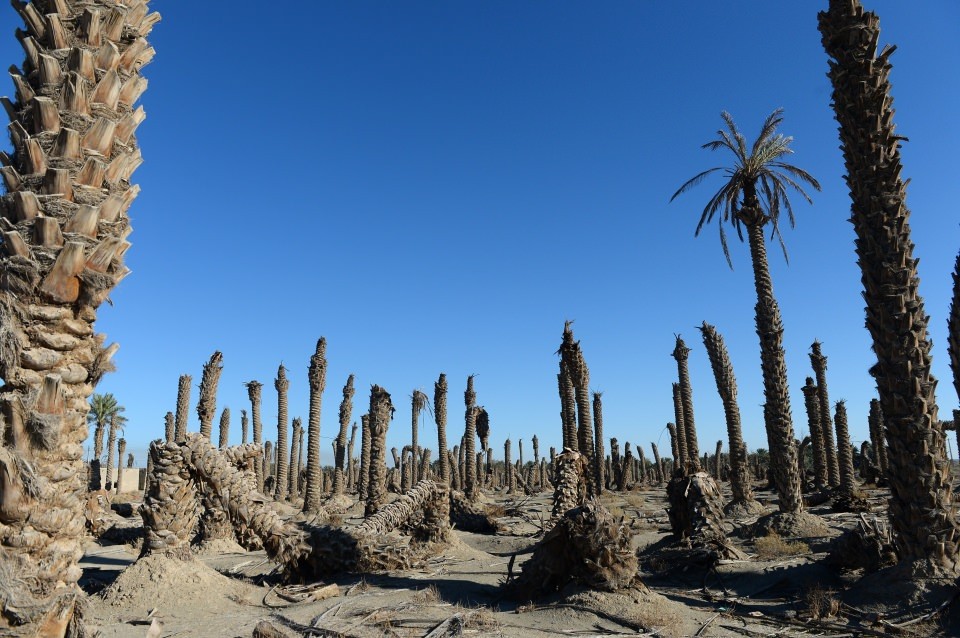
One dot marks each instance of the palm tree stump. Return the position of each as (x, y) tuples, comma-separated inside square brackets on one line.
[(587, 546)]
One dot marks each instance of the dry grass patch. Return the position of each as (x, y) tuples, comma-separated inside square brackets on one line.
[(495, 510), (774, 546), (821, 603), (480, 618), (635, 500), (429, 595)]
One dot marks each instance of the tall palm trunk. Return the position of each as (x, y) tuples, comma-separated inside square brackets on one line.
[(121, 448), (580, 375), (568, 409), (811, 402), (244, 427), (598, 452), (183, 407), (111, 450), (363, 483), (282, 385), (674, 448), (819, 364), (168, 430), (418, 401), (681, 427), (293, 483), (681, 352), (317, 379), (777, 416), (508, 468), (440, 414), (346, 409), (351, 467), (207, 402), (254, 393), (469, 438), (483, 431), (727, 388), (381, 411), (877, 437), (224, 440), (921, 504), (844, 455)]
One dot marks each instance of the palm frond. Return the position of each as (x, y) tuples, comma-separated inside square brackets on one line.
[(693, 181), (769, 127)]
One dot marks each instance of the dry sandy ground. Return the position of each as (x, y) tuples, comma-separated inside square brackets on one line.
[(225, 591)]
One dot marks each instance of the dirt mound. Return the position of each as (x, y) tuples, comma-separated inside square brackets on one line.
[(165, 583), (219, 546)]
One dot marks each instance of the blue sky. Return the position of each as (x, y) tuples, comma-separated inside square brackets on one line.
[(436, 187)]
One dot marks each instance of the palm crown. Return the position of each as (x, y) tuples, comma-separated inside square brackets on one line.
[(103, 407), (758, 180)]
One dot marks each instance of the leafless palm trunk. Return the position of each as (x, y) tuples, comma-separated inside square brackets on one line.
[(440, 414), (346, 409), (811, 401), (681, 428), (381, 411), (317, 380), (254, 392), (183, 406), (224, 428), (681, 352), (819, 364), (282, 385), (207, 403)]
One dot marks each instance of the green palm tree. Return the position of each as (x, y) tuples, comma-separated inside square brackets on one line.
[(753, 196), (102, 408)]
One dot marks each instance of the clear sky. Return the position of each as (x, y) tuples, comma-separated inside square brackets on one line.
[(437, 186)]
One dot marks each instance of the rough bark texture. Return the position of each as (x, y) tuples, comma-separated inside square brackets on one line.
[(169, 428), (921, 504), (351, 462), (293, 484), (696, 514), (656, 460), (469, 439), (571, 352), (483, 432), (282, 475), (727, 388), (255, 394), (417, 402), (811, 401), (599, 475), (776, 411), (224, 428), (681, 353), (681, 427), (570, 485), (244, 427), (381, 411), (207, 402), (317, 380), (363, 482), (183, 407), (346, 410), (846, 498), (508, 468), (440, 414), (878, 437), (953, 328), (568, 407), (819, 364)]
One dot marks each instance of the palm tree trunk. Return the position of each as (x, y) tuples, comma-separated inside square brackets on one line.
[(642, 463), (282, 385), (598, 451), (921, 505), (727, 388), (244, 427), (121, 448), (224, 428), (878, 438), (169, 427), (110, 484), (656, 461), (580, 375), (183, 407), (777, 416), (568, 410), (254, 393), (440, 414), (811, 402), (346, 410), (207, 403), (351, 464), (674, 447), (469, 436), (681, 428), (953, 328), (819, 364), (363, 482), (381, 411), (317, 379), (681, 352), (293, 484)]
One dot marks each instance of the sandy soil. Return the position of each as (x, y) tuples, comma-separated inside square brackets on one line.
[(225, 591)]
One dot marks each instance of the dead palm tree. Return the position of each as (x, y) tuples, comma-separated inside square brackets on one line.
[(317, 379), (681, 353), (580, 375), (469, 438), (440, 415), (598, 452), (878, 437), (727, 388), (753, 195), (68, 190), (568, 409), (244, 427), (224, 440), (811, 401), (921, 505), (346, 409), (363, 482), (207, 402), (681, 430), (254, 393), (381, 411), (282, 476), (819, 364), (169, 427), (418, 402), (183, 406)]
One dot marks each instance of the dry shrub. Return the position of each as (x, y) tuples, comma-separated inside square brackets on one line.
[(615, 511), (773, 546), (428, 595), (495, 510), (480, 618), (821, 603), (335, 519), (634, 500)]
